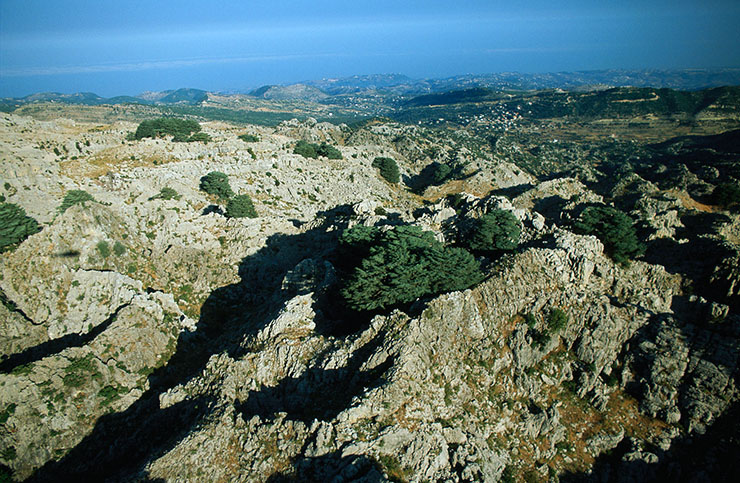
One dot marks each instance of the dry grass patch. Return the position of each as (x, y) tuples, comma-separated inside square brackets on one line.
[(110, 160)]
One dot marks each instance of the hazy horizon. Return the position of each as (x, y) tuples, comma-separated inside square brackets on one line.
[(125, 49)]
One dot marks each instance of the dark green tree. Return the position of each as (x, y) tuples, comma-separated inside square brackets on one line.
[(179, 129), (249, 138), (216, 183), (328, 151), (15, 225), (726, 195), (454, 269), (615, 230), (166, 193), (241, 206), (74, 197), (495, 231), (305, 149), (401, 265), (388, 169), (440, 173)]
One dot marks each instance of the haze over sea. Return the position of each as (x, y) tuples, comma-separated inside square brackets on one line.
[(124, 48)]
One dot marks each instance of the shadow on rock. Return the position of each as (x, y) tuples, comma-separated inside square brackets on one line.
[(314, 394), (332, 467), (708, 457)]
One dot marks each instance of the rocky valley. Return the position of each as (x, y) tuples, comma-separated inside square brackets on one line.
[(149, 331)]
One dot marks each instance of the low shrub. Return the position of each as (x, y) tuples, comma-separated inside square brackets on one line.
[(166, 193), (74, 197), (103, 248), (216, 183), (313, 151), (119, 248), (199, 137), (249, 138)]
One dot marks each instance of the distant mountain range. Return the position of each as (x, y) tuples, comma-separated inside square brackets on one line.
[(179, 96), (687, 79), (397, 89)]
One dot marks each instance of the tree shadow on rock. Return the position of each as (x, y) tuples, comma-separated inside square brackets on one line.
[(332, 467), (122, 444), (512, 192), (552, 208), (212, 209)]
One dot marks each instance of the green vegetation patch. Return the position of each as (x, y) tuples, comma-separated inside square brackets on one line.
[(8, 454), (495, 231), (241, 206), (110, 394), (119, 248), (166, 193), (557, 319), (15, 225), (311, 150), (103, 248), (249, 138), (615, 230), (7, 412), (181, 130), (77, 371)]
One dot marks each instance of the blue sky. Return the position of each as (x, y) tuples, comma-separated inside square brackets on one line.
[(126, 47)]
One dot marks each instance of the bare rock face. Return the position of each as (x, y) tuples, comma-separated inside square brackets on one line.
[(725, 278), (662, 215), (67, 261), (312, 131), (58, 397), (423, 395)]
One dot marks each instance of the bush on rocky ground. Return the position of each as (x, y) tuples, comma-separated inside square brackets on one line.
[(216, 183), (241, 206), (388, 169), (166, 193), (311, 150), (249, 138)]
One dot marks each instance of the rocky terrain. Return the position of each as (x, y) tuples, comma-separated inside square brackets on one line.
[(146, 338)]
